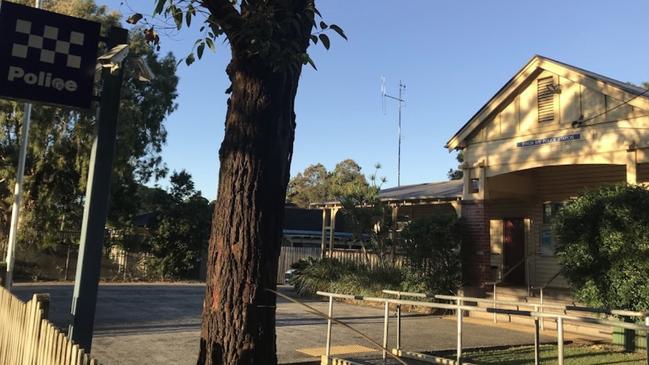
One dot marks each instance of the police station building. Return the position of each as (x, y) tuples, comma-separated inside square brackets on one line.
[(551, 132)]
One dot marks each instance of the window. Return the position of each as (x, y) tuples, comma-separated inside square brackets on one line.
[(547, 242), (475, 186), (550, 210), (545, 98)]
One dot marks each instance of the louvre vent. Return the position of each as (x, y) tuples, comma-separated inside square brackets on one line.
[(546, 99)]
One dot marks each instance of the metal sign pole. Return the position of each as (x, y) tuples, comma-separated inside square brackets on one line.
[(18, 190), (84, 299), (18, 194)]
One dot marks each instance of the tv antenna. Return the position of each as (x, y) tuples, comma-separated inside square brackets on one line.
[(399, 99)]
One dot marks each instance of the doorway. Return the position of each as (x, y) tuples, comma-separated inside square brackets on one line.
[(514, 250)]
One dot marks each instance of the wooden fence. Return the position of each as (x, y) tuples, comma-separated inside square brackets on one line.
[(26, 338), (359, 257), (290, 255)]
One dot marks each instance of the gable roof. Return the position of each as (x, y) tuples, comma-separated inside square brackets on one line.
[(636, 96)]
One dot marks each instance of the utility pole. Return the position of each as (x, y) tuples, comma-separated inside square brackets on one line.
[(400, 100), (95, 211)]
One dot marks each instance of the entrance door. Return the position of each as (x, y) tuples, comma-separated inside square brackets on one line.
[(514, 250)]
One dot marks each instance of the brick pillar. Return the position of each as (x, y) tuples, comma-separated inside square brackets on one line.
[(476, 260)]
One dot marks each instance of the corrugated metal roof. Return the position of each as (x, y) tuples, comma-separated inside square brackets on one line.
[(444, 190)]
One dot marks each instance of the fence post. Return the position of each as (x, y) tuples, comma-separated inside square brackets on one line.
[(541, 308), (646, 338), (323, 248), (399, 323), (629, 336), (44, 299), (331, 310), (560, 340), (646, 345), (537, 341), (459, 332), (494, 306), (385, 329)]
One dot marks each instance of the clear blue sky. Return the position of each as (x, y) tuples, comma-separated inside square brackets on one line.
[(452, 55)]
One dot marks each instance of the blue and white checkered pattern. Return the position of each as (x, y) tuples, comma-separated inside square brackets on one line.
[(47, 55)]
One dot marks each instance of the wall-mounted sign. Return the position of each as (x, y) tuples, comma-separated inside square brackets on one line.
[(538, 142), (46, 57)]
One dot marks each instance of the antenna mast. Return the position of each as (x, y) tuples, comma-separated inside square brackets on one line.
[(400, 100)]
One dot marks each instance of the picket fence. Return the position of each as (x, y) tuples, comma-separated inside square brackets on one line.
[(27, 338)]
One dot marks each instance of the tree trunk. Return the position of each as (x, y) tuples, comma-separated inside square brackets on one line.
[(239, 313)]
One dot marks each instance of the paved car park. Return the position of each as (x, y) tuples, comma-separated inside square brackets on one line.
[(160, 323)]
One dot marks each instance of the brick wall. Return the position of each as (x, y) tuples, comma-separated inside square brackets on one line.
[(475, 244)]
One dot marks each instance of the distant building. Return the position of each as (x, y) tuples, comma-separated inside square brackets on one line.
[(303, 228)]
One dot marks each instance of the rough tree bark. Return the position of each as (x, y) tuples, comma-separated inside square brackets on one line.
[(239, 313)]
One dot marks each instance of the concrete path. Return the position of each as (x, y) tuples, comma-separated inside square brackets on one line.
[(147, 323)]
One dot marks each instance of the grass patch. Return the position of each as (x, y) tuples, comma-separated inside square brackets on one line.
[(573, 355)]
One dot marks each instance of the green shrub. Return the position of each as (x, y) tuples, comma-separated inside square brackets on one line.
[(432, 255), (342, 277), (603, 246)]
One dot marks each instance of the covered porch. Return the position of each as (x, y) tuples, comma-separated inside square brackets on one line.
[(517, 212)]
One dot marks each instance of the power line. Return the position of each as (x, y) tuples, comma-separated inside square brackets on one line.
[(581, 121)]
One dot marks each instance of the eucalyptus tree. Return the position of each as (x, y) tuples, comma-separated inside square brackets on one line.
[(268, 41)]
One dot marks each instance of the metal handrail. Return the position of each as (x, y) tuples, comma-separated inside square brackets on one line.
[(551, 280), (400, 294), (459, 307), (541, 289), (511, 269), (500, 280), (617, 312), (575, 308), (407, 294), (500, 302)]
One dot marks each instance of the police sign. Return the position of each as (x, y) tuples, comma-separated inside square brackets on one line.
[(46, 57)]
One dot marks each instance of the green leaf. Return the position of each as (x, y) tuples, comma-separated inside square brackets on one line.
[(190, 59), (133, 19), (188, 18), (325, 40), (159, 6), (178, 17), (323, 25), (308, 60), (199, 50), (338, 30), (314, 39), (210, 44)]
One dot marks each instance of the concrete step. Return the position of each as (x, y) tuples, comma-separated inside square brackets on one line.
[(558, 297), (558, 294), (590, 330)]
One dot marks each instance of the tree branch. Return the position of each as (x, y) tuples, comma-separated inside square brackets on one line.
[(225, 15)]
